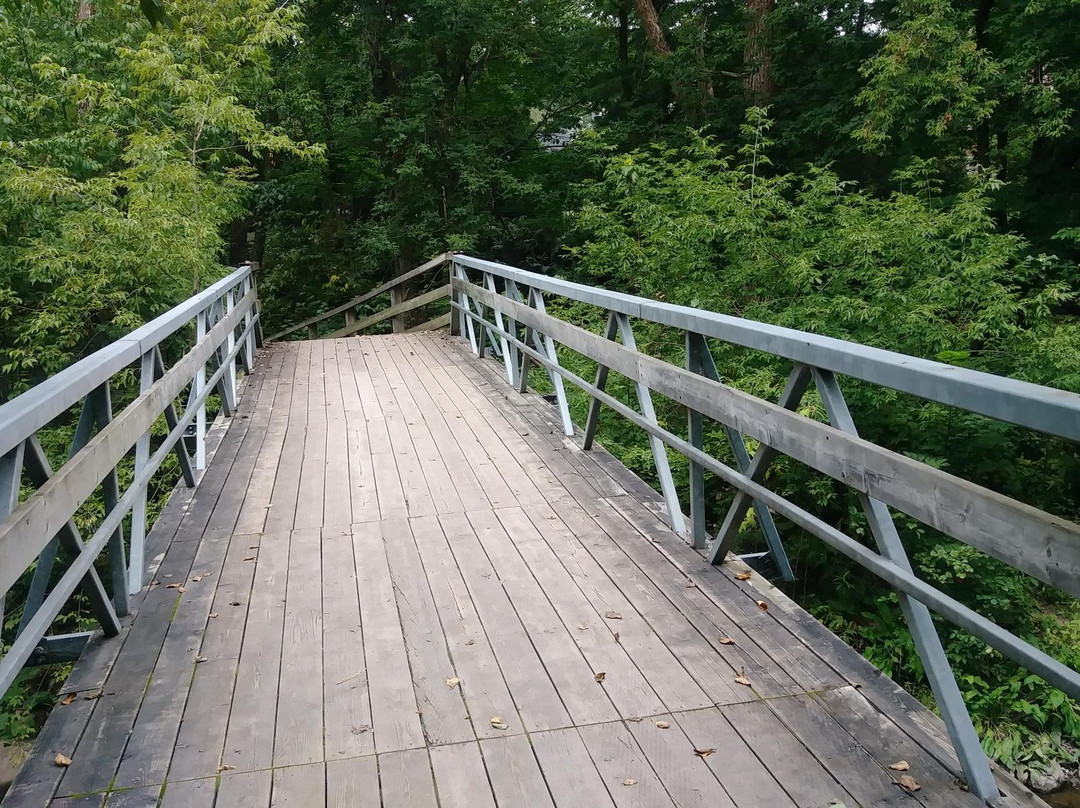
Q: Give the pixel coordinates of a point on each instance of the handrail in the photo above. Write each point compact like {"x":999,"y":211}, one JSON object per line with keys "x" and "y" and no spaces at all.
{"x":226,"y":318}
{"x":1033,"y":541}
{"x":347,"y":307}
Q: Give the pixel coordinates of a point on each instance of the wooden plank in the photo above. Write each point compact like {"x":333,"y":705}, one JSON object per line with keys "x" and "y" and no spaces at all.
{"x":406,"y":780}
{"x":362,"y":488}
{"x":309,"y":500}
{"x":570,"y":773}
{"x":281,"y":513}
{"x":600,"y":640}
{"x":245,"y":789}
{"x":150,"y":745}
{"x":249,"y":740}
{"x":671,"y":681}
{"x":628,"y":776}
{"x":202,"y":733}
{"x":356,"y":301}
{"x":460,"y":776}
{"x":686,"y":776}
{"x":876,"y":733}
{"x":252,"y":517}
{"x":745,"y":778}
{"x":298,"y":734}
{"x":864,"y":778}
{"x":394,"y":311}
{"x":442,"y":711}
{"x":352,"y":783}
{"x":299,"y":787}
{"x":337,"y":487}
{"x":346,"y":708}
{"x":482,"y":685}
{"x":786,"y":758}
{"x":537,"y":700}
{"x":442,"y":321}
{"x":134,"y":798}
{"x":85,"y":801}
{"x":190,"y":793}
{"x":514,"y":772}
{"x":393,"y":703}
{"x":586,"y":700}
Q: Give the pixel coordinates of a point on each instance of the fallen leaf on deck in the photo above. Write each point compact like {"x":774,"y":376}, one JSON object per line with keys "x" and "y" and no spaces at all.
{"x":908,"y":782}
{"x":763,"y":605}
{"x":70,"y":697}
{"x":498,"y":723}
{"x":600,"y":676}
{"x":235,"y":603}
{"x":741,"y":678}
{"x":703,"y":753}
{"x":635,"y":720}
{"x":616,"y":636}
{"x":629,"y":781}
{"x":249,"y":558}
{"x":582,"y":626}
{"x":62,"y":760}
{"x":743,"y":576}
{"x":453,"y":681}
{"x":689,"y":584}
{"x":900,"y":766}
{"x":92,"y":696}
{"x":181,"y":589}
{"x":612,"y":615}
{"x":726,"y":641}
{"x":199,"y":659}
{"x":196,"y":579}
{"x":470,"y":642}
{"x":213,"y":615}
{"x":662,"y":724}
{"x":172,"y":586}
{"x":225,"y":768}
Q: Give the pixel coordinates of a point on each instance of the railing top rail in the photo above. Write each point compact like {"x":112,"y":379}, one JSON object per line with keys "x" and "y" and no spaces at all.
{"x":30,"y":411}
{"x":356,"y":301}
{"x":1046,"y":409}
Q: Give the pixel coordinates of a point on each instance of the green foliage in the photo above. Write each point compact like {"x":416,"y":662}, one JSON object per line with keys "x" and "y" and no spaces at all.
{"x":917,"y":272}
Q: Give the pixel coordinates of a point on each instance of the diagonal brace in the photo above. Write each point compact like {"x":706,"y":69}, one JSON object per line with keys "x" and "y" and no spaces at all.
{"x":923,"y":632}
{"x":724,"y":542}
{"x":700,"y":360}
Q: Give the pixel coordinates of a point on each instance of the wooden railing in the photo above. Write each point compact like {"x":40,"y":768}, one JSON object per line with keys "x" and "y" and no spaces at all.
{"x":399,"y":306}
{"x":226,"y":327}
{"x":506,"y":311}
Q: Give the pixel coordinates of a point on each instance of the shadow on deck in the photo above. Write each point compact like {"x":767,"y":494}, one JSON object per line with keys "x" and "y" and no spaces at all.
{"x":398,"y":581}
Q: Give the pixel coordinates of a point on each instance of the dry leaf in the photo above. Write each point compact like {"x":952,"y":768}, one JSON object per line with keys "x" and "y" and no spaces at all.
{"x":688,"y":584}
{"x":61,"y":760}
{"x":703,"y":753}
{"x":225,"y":768}
{"x":900,"y":766}
{"x":235,"y":603}
{"x":629,"y":781}
{"x":213,"y":615}
{"x":600,"y":676}
{"x":741,"y":678}
{"x":70,"y":697}
{"x":662,"y":724}
{"x":92,"y":696}
{"x":199,"y":659}
{"x":453,"y":681}
{"x":582,"y":626}
{"x":172,"y":586}
{"x":616,"y":636}
{"x":249,"y":558}
{"x":743,"y":576}
{"x":498,"y":723}
{"x":908,"y":782}
{"x":763,"y":605}
{"x":726,"y":641}
{"x":470,"y":642}
{"x":611,"y":614}
{"x":181,"y":589}
{"x":196,"y":579}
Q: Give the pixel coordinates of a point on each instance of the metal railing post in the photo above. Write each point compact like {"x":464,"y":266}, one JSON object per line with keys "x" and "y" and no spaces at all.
{"x":592,"y":421}
{"x":138,"y":511}
{"x":230,"y":343}
{"x":200,"y":383}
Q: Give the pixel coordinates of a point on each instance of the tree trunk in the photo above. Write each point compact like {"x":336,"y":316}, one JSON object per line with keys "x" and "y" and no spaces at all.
{"x":757,"y":54}
{"x":650,"y":21}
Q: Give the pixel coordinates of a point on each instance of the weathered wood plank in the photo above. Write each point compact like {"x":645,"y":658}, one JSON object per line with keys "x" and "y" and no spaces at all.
{"x":514,"y":772}
{"x":394,"y":311}
{"x":352,"y":783}
{"x":281,"y":513}
{"x":299,"y":787}
{"x":337,"y":487}
{"x":406,"y":780}
{"x":298,"y":734}
{"x":460,"y":776}
{"x":309,"y":499}
{"x":246,"y":789}
{"x":393,"y":702}
{"x":190,"y":793}
{"x":571,"y":776}
{"x":685,"y":774}
{"x":249,"y":741}
{"x":628,"y":776}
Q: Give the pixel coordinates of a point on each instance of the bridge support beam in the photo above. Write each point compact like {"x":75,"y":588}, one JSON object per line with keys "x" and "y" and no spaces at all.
{"x":923,"y":632}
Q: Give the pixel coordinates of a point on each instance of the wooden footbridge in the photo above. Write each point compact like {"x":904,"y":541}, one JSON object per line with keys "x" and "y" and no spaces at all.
{"x":393,"y":575}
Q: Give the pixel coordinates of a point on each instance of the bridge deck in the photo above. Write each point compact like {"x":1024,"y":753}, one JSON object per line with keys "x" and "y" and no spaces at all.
{"x":398,"y":581}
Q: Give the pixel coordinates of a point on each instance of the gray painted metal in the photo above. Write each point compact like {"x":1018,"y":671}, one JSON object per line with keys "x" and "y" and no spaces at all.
{"x":1041,"y":408}
{"x":704,"y":364}
{"x":923,"y":632}
{"x":59,"y":648}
